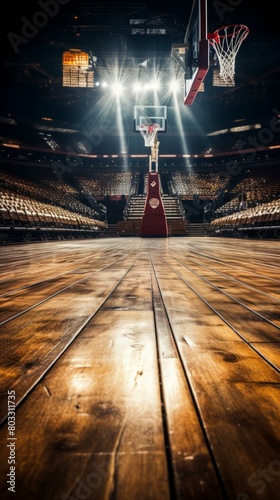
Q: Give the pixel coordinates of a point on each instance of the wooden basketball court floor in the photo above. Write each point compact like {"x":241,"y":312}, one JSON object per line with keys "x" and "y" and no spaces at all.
{"x":140,"y":369}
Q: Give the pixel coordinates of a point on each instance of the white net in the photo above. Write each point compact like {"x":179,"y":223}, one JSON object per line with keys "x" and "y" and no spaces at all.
{"x":148,"y":132}
{"x":226,"y":41}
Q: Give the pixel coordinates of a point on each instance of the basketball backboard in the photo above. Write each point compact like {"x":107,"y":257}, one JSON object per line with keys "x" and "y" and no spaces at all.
{"x":193,"y":54}
{"x":144,"y":115}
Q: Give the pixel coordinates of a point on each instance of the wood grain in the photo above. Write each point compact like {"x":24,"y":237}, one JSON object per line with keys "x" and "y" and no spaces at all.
{"x":142,"y":368}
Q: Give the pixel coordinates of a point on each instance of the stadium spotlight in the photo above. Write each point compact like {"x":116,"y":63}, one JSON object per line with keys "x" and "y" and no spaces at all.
{"x":174,"y":85}
{"x":117,"y":88}
{"x":152,"y":85}
{"x":137,"y":87}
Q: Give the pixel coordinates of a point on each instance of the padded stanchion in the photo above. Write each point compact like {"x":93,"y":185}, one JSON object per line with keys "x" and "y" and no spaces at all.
{"x":154,"y":223}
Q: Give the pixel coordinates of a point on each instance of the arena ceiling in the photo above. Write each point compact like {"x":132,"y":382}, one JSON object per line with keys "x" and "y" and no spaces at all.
{"x":31,"y":66}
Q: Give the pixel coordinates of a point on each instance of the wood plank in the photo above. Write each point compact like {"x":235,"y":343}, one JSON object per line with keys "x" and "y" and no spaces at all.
{"x":193,"y":468}
{"x":154,"y":375}
{"x":24,"y":272}
{"x":243,"y":440}
{"x":35,"y":347}
{"x":220,"y":368}
{"x":196,"y":319}
{"x":266,"y":284}
{"x":262,"y":257}
{"x":89,"y":405}
{"x":237,"y":313}
{"x":134,"y":292}
{"x":270,"y":351}
{"x":16,"y":302}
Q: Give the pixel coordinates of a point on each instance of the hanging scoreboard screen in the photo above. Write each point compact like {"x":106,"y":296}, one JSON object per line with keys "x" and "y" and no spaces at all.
{"x":76,"y":69}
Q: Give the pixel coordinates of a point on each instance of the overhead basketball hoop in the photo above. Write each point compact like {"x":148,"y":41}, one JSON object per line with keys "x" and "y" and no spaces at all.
{"x":227,"y":41}
{"x":148,"y":132}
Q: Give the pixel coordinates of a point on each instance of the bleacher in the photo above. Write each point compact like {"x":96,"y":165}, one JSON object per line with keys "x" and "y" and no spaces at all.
{"x":253,"y":208}
{"x":262,"y":221}
{"x":37,"y":204}
{"x":45,"y":208}
{"x":188,"y":184}
{"x":102,"y":184}
{"x":258,"y":187}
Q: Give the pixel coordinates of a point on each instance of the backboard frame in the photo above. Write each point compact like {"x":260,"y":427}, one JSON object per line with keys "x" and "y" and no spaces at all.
{"x":193,"y":54}
{"x":144,"y":114}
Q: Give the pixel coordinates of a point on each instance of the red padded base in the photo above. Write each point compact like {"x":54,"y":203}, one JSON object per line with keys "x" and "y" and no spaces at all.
{"x":154,"y":223}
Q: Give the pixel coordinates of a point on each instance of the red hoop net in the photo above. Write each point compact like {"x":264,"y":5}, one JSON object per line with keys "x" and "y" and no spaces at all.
{"x":148,"y":132}
{"x":226,"y":41}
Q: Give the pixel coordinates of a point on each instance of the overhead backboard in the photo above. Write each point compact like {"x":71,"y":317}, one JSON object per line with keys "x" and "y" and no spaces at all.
{"x":193,"y":54}
{"x":144,"y":115}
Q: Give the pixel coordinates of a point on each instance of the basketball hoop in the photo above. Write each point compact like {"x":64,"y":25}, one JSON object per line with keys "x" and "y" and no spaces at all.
{"x":226,"y":41}
{"x":148,"y":132}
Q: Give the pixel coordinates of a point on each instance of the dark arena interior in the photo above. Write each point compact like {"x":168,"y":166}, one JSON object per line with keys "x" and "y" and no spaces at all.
{"x":139,"y":290}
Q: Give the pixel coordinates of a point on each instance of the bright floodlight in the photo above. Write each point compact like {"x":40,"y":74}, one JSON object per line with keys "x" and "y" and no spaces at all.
{"x":152,"y":85}
{"x":155,"y":84}
{"x":137,"y":87}
{"x":146,"y":86}
{"x":117,"y":88}
{"x":174,"y":85}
